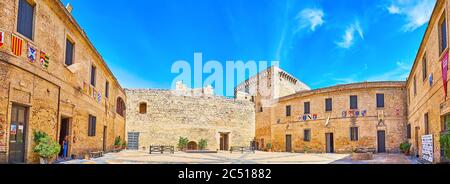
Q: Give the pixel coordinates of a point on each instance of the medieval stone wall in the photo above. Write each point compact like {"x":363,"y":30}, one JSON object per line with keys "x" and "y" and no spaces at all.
{"x":171,"y":115}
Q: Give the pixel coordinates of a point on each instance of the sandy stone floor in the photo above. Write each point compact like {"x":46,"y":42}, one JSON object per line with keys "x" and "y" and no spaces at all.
{"x":142,"y":157}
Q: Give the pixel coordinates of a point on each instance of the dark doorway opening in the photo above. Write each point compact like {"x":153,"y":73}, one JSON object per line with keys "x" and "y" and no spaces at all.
{"x":381,"y":140}
{"x":329,"y":142}
{"x":18,"y":134}
{"x":289,"y":143}
{"x":105,"y":138}
{"x":192,"y":145}
{"x":64,"y":134}
{"x":416,"y":136}
{"x":224,"y":141}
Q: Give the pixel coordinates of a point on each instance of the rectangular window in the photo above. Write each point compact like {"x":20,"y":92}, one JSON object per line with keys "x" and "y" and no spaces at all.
{"x":328,"y":104}
{"x":424,"y":67}
{"x":442,"y":35}
{"x":408,"y":131}
{"x":415,"y":86}
{"x":425,"y":121}
{"x":92,"y":125}
{"x":307,"y":106}
{"x":69,"y":52}
{"x":107,"y":89}
{"x":353,"y":133}
{"x":380,"y":100}
{"x":25,"y":19}
{"x":307,"y":135}
{"x":288,"y":110}
{"x":445,"y":123}
{"x":93,"y":75}
{"x":353,"y":102}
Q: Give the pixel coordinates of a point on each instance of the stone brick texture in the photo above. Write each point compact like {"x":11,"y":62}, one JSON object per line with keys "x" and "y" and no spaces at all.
{"x":393,"y":123}
{"x":55,"y":93}
{"x":172,"y":114}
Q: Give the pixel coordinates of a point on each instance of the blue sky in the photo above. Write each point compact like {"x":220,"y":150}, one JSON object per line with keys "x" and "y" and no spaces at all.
{"x":320,"y":42}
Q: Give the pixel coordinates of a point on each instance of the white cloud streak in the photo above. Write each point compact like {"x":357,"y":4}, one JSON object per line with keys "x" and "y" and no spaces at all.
{"x":310,"y":18}
{"x":349,"y":36}
{"x":416,"y":12}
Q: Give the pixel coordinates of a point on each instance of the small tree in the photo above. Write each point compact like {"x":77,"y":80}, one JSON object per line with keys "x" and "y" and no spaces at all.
{"x":182,"y":143}
{"x":202,"y":144}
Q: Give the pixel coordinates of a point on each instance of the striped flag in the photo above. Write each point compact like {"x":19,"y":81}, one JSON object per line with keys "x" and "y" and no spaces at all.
{"x":99,"y":97}
{"x":16,"y":45}
{"x":2,"y":38}
{"x":44,"y":59}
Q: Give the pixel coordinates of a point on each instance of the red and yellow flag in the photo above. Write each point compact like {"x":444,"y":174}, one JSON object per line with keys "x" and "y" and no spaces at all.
{"x":16,"y":45}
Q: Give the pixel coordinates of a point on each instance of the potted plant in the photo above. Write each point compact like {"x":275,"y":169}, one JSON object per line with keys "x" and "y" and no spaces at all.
{"x":117,"y":143}
{"x":202,"y":144}
{"x":405,"y":148}
{"x":306,"y":149}
{"x":182,"y":143}
{"x":45,"y":147}
{"x":124,"y":145}
{"x":269,"y":147}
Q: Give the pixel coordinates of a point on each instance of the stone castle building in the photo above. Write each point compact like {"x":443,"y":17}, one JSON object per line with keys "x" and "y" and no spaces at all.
{"x":340,"y":119}
{"x":294,"y":118}
{"x":161,"y":117}
{"x":52,"y":79}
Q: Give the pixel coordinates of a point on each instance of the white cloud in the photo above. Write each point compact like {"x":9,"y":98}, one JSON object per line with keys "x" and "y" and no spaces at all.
{"x":310,"y":18}
{"x":349,"y":35}
{"x":393,"y":9}
{"x":416,"y":12}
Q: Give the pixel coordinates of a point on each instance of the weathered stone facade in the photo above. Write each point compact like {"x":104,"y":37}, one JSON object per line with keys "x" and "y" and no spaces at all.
{"x":367,"y":117}
{"x":426,"y":96}
{"x":59,"y":91}
{"x":195,"y":114}
{"x":262,"y":89}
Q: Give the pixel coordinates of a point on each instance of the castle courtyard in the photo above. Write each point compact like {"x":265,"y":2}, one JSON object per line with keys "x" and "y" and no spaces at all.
{"x":143,"y":157}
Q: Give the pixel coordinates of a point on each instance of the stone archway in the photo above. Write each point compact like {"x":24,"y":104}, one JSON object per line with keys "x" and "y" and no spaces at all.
{"x":192,"y":145}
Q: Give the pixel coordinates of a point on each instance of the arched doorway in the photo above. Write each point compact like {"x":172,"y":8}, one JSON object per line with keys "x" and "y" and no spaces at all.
{"x":192,"y":145}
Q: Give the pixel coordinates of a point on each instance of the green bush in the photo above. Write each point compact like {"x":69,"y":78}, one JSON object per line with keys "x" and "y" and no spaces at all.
{"x":45,"y":146}
{"x":445,"y":142}
{"x":38,"y":135}
{"x":202,"y":144}
{"x":269,"y":146}
{"x":404,"y":147}
{"x":117,"y":141}
{"x":182,"y":143}
{"x":306,"y":149}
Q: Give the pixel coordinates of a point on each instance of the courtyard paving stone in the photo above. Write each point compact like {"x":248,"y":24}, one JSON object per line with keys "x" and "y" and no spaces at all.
{"x":142,"y":157}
